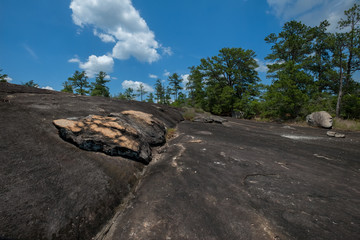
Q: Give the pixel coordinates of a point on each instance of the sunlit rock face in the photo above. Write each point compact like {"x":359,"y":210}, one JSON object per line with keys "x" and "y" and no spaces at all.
{"x":320,"y":119}
{"x":128,"y":134}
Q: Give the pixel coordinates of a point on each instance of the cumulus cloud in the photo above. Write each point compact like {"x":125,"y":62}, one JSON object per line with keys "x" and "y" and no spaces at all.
{"x":104,"y":37}
{"x":8,"y":79}
{"x":95,"y":64}
{"x":135,"y":85}
{"x":310,"y":12}
{"x":118,"y":21}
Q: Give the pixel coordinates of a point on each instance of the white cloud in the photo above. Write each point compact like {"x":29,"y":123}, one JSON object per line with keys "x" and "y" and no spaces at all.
{"x":95,"y":64}
{"x":262,"y":66}
{"x":8,"y":79}
{"x":167,"y":51}
{"x":166,"y":73}
{"x":30,"y":51}
{"x":310,"y":12}
{"x":185,"y":78}
{"x":48,"y":88}
{"x":118,"y":22}
{"x":104,"y":37}
{"x":74,"y":60}
{"x":153,"y":76}
{"x":135,"y":85}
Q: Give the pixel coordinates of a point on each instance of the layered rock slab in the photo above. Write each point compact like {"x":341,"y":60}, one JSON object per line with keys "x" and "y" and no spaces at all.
{"x":128,"y":134}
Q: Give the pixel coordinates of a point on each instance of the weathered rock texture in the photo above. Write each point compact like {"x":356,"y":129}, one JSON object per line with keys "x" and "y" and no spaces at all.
{"x":319,"y":119}
{"x":51,"y":189}
{"x":209,"y":119}
{"x":128,"y":134}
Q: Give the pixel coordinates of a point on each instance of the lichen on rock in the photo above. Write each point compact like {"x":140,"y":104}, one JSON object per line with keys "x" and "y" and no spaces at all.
{"x":128,"y":134}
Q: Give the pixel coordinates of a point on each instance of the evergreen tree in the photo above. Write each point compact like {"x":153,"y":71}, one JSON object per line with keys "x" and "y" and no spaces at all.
{"x":226,"y":78}
{"x":129,"y":94}
{"x":3,"y":77}
{"x":292,"y":81}
{"x":98,"y":87}
{"x":347,"y":47}
{"x":175,"y":84}
{"x":67,"y":87}
{"x":31,"y":83}
{"x":196,"y":87}
{"x":352,"y":38}
{"x":339,"y":63}
{"x":79,"y":82}
{"x":159,"y":92}
{"x":150,"y":98}
{"x":141,"y":90}
{"x":319,"y":62}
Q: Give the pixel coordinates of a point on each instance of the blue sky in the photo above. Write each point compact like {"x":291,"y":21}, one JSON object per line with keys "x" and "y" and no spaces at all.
{"x":140,"y":40}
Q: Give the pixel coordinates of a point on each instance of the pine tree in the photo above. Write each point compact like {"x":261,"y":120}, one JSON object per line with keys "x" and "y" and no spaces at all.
{"x":3,"y":77}
{"x":67,"y":87}
{"x":98,"y":87}
{"x":150,"y":98}
{"x":141,"y":90}
{"x":159,"y":92}
{"x":175,"y":84}
{"x":31,"y":83}
{"x":79,"y":82}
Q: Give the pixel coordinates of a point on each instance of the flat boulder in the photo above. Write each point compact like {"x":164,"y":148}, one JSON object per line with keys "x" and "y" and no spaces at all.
{"x":319,"y":119}
{"x":128,"y":134}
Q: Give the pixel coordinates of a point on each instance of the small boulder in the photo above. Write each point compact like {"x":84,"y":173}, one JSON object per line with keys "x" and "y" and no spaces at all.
{"x":335,"y":134}
{"x":340,"y":135}
{"x":319,"y":119}
{"x":330,"y":133}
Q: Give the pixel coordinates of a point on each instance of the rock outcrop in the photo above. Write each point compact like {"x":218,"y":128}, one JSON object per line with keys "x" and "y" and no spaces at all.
{"x":319,"y":119}
{"x":128,"y":134}
{"x":51,"y":189}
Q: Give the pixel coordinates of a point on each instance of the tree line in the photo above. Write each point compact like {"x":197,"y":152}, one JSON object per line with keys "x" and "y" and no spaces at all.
{"x":311,"y":70}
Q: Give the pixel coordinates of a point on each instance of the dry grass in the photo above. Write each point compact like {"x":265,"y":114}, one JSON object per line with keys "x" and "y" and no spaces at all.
{"x":170,"y":133}
{"x":189,"y":114}
{"x":342,"y":124}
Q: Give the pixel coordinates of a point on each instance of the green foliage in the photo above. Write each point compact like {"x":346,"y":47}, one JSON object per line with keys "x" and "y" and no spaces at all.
{"x":159,"y":92}
{"x":31,"y":83}
{"x":79,"y":82}
{"x":3,"y":77}
{"x":284,"y":99}
{"x":174,"y":82}
{"x":189,"y":114}
{"x":150,"y":98}
{"x":127,"y":95}
{"x":222,"y":80}
{"x":67,"y":87}
{"x":98,"y":87}
{"x":351,"y":106}
{"x":141,"y":90}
